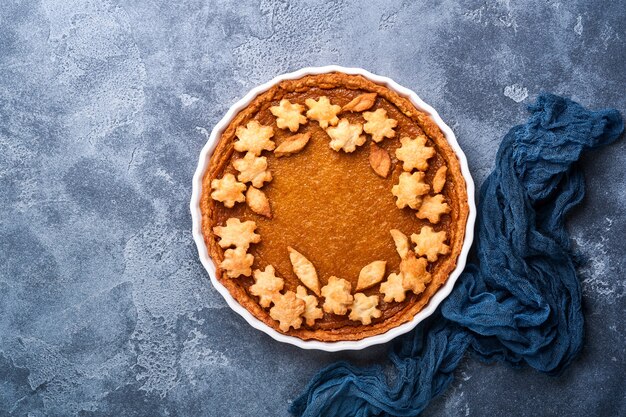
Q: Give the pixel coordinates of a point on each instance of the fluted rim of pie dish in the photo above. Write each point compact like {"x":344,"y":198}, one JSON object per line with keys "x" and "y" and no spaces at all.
{"x":208,"y":264}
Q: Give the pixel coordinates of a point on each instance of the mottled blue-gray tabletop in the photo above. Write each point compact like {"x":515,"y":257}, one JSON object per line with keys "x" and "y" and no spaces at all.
{"x":105,"y":309}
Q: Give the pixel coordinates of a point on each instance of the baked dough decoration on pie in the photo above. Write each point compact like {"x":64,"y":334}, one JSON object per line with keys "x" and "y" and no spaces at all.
{"x":346,"y":136}
{"x":380,"y":161}
{"x":337,"y":296}
{"x":304,"y":270}
{"x":370,"y":275}
{"x":292,"y":144}
{"x":378,"y":125}
{"x":401,"y":241}
{"x":321,"y":203}
{"x":393,"y":289}
{"x":254,"y":138}
{"x":237,"y":233}
{"x":288,"y":115}
{"x":237,"y":262}
{"x":439,"y":180}
{"x":253,"y":169}
{"x":414,"y":273}
{"x":432,"y":208}
{"x":430,"y":243}
{"x":414,"y":153}
{"x":311,"y":311}
{"x":228,"y":190}
{"x":258,"y":202}
{"x":361,"y":103}
{"x":410,"y":189}
{"x":364,"y":309}
{"x":287,"y":310}
{"x":266,"y":285}
{"x":323,"y":111}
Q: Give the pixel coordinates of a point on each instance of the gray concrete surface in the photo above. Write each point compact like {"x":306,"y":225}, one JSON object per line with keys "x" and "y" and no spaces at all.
{"x":104,"y":107}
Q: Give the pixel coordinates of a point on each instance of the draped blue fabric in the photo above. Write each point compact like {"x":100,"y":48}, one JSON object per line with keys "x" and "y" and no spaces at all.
{"x":520,"y":302}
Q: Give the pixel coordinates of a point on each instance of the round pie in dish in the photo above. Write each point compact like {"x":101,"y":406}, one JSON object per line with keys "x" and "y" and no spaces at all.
{"x":333,"y":208}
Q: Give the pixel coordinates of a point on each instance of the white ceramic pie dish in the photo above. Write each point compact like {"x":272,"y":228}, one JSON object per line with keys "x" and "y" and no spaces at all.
{"x":196,"y":215}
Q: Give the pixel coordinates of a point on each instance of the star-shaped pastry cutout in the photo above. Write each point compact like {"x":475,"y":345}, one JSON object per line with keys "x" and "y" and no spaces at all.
{"x":346,"y":136}
{"x":432,"y":208}
{"x":414,"y":273}
{"x":337,"y":297}
{"x":322,"y":111}
{"x":228,"y":190}
{"x":254,"y":138}
{"x":311,"y":311}
{"x":414,"y":153}
{"x":379,"y":125}
{"x":237,"y":262}
{"x":364,"y":309}
{"x":252,"y":169}
{"x":287,"y":311}
{"x":266,"y":285}
{"x":393,"y":289}
{"x":430,"y":243}
{"x":410,"y":189}
{"x":288,"y":115}
{"x":237,"y":233}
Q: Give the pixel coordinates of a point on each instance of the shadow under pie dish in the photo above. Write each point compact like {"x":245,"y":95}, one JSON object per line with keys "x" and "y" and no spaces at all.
{"x":332,"y":208}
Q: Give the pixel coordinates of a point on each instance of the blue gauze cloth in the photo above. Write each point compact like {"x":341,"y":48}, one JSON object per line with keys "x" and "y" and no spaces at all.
{"x":519,"y":303}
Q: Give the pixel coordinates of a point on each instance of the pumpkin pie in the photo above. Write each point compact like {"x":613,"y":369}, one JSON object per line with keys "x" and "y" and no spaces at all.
{"x":333,"y":208}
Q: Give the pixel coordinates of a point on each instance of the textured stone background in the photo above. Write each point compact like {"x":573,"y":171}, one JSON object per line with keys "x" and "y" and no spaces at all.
{"x":104,"y":107}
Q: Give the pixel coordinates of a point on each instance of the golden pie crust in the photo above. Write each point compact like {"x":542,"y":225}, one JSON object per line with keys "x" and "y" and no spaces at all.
{"x":335,"y":207}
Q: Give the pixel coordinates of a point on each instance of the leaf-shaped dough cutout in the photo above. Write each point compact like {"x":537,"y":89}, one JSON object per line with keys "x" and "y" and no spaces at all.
{"x":258,"y":202}
{"x":304,"y":270}
{"x":371,"y":274}
{"x":379,"y":160}
{"x":361,"y":103}
{"x":401,"y":241}
{"x":292,"y":144}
